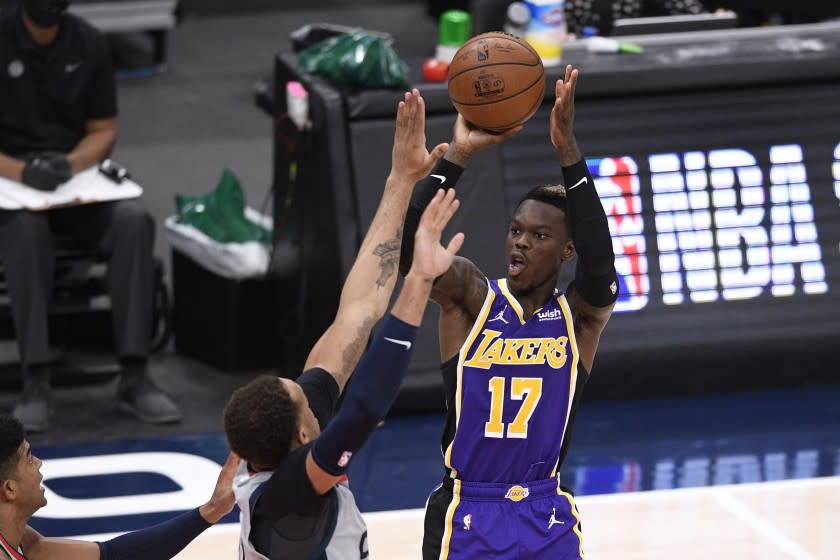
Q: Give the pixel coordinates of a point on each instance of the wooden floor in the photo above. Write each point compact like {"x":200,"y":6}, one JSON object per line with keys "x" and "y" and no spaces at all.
{"x":797,"y":519}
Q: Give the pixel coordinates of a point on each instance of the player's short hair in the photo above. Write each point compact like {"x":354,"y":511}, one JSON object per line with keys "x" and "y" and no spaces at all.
{"x":554,"y":195}
{"x":260,"y":420}
{"x":550,"y":194}
{"x":11,"y":436}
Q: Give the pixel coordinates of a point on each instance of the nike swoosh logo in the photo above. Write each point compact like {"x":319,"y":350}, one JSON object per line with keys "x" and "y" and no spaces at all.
{"x":585,"y":180}
{"x":440,"y":178}
{"x":405,"y":343}
{"x":71,"y":67}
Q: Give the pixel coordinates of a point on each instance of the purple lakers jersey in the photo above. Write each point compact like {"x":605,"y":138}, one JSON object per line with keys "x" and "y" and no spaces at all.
{"x":516,"y":379}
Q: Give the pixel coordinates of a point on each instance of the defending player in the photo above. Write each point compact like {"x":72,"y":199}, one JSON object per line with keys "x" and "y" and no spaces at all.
{"x":516,"y":354}
{"x":290,"y":487}
{"x":22,"y":495}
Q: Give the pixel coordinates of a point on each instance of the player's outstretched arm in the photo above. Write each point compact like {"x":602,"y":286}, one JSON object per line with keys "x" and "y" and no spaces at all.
{"x":383,"y":368}
{"x":368,"y":288}
{"x":595,"y":287}
{"x":159,"y":542}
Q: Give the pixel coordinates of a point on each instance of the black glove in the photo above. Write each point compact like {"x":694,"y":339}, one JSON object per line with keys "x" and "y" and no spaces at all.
{"x":46,"y":170}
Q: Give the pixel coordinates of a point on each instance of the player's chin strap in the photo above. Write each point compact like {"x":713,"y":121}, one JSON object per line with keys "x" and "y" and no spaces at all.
{"x":595,"y":278}
{"x":444,"y":175}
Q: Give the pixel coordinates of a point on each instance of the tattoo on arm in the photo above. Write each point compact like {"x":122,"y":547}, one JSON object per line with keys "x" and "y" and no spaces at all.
{"x":389,"y":257}
{"x":353,"y":351}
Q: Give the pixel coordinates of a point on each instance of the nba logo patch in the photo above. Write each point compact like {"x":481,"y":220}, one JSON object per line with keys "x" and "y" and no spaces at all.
{"x":468,"y":522}
{"x":344,"y":459}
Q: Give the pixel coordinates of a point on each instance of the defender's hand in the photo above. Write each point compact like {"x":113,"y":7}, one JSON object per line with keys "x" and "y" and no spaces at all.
{"x":431,"y":259}
{"x":222,"y":501}
{"x":409,"y":158}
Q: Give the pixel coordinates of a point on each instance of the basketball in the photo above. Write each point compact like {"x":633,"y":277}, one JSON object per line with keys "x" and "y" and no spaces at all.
{"x":496,"y":81}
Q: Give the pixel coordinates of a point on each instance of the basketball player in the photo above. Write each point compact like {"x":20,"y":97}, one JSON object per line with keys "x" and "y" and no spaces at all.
{"x":291,"y":487}
{"x":516,"y":354}
{"x":21,"y":495}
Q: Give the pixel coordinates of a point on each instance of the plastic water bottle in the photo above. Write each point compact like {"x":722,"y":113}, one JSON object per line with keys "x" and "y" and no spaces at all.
{"x":516,"y":19}
{"x":454,"y":30}
{"x":546,"y":30}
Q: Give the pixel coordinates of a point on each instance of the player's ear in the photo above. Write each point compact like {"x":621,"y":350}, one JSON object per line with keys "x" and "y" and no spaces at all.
{"x":8,"y":490}
{"x":568,"y":251}
{"x":302,"y":435}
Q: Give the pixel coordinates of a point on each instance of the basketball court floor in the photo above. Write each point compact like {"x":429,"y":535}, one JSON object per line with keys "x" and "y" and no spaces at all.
{"x":749,"y":475}
{"x":775,"y":520}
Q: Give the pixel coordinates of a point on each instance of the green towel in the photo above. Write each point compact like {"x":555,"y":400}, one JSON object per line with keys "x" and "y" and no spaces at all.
{"x":221,"y":214}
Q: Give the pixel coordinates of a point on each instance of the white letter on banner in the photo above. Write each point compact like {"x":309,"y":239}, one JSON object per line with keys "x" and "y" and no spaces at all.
{"x":738,"y":197}
{"x":195,"y":475}
{"x":683,"y":225}
{"x":793,"y":233}
{"x":836,"y":171}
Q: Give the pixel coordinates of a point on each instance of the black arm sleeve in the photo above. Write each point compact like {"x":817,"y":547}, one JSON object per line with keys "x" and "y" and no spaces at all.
{"x":444,"y":175}
{"x":371,"y":393}
{"x":595,"y":277}
{"x":158,"y":542}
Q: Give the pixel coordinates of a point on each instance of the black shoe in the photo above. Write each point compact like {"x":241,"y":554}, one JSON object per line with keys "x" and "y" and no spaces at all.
{"x":143,"y":399}
{"x":33,"y":411}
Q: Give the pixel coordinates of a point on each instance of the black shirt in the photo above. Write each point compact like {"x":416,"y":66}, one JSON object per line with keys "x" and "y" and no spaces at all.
{"x":48,"y":93}
{"x":289,"y":510}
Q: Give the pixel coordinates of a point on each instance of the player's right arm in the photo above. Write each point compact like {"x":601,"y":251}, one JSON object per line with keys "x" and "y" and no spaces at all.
{"x":383,"y":367}
{"x":368,"y":288}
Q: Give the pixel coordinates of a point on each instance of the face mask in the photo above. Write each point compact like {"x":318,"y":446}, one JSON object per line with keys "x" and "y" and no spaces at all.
{"x":45,"y":13}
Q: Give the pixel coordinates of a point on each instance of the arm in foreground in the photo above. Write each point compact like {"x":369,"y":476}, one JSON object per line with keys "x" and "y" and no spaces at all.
{"x":159,"y":542}
{"x":370,"y":283}
{"x":382,"y":370}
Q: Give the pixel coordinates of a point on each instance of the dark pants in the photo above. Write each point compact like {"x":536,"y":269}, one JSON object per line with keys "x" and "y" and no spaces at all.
{"x":123,"y":230}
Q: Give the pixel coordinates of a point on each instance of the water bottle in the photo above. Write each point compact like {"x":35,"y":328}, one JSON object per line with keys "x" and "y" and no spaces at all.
{"x":516,"y":19}
{"x":454,"y":29}
{"x":547,"y":29}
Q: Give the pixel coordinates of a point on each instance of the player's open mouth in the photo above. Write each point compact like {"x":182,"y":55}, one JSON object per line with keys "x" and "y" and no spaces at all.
{"x":516,"y":265}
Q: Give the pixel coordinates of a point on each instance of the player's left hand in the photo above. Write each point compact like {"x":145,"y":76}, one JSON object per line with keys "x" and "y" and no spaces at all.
{"x":222,"y":501}
{"x":409,"y":158}
{"x":563,"y":117}
{"x":431,"y":259}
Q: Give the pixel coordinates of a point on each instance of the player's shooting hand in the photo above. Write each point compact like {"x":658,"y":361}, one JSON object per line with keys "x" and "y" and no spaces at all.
{"x":46,"y":170}
{"x":410,"y":160}
{"x":431,"y":259}
{"x":563,"y":118}
{"x":222,"y":501}
{"x":467,"y":140}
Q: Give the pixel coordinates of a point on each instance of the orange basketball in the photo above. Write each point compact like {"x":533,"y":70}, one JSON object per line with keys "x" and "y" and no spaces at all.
{"x":496,"y":81}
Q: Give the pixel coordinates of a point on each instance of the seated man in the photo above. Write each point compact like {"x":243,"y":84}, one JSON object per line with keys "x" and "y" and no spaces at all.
{"x":58,"y":117}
